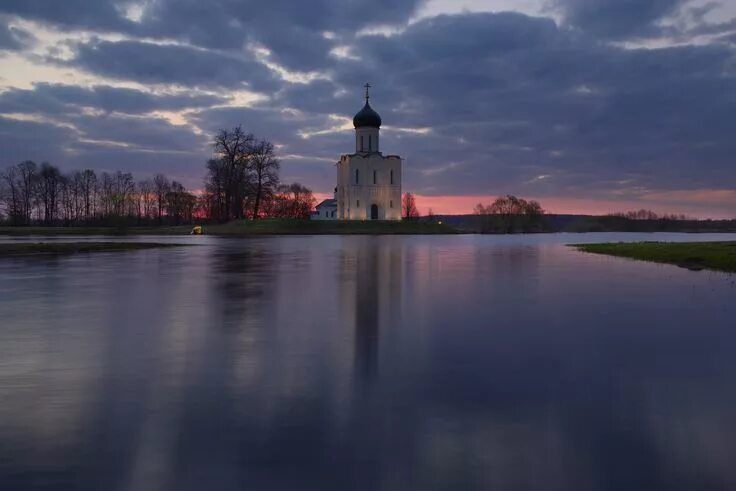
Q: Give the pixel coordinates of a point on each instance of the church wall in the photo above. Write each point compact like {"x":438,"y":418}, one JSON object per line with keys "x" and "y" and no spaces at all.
{"x":355,"y":200}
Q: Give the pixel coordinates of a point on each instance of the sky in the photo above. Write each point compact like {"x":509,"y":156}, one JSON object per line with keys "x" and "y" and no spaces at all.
{"x":589,"y":106}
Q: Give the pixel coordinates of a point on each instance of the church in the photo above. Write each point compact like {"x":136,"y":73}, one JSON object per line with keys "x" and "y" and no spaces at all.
{"x":368,"y":182}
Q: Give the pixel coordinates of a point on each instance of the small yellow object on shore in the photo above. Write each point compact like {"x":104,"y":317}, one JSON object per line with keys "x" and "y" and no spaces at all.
{"x":197,"y":230}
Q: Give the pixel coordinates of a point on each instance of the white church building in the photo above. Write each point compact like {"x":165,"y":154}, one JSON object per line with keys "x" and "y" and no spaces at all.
{"x":368,"y":182}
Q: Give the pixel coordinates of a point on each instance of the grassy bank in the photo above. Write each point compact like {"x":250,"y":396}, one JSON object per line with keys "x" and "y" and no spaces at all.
{"x":719,"y":256}
{"x":250,"y":227}
{"x":63,"y":248}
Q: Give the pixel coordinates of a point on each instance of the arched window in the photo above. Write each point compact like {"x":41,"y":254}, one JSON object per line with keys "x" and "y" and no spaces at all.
{"x":374,"y":177}
{"x":357,"y":176}
{"x":370,"y":143}
{"x":392,"y":176}
{"x":361,"y":143}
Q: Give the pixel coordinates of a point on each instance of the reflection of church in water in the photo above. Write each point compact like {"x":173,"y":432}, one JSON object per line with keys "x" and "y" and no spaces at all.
{"x":370,"y":297}
{"x":368,"y":182}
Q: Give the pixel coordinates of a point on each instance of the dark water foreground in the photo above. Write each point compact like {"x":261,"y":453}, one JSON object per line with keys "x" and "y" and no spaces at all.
{"x":376,"y":363}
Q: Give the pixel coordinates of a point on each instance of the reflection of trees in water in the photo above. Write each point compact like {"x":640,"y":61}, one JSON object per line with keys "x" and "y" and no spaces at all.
{"x":507,"y":259}
{"x":243,"y":279}
{"x":239,"y":310}
{"x":510,"y":271}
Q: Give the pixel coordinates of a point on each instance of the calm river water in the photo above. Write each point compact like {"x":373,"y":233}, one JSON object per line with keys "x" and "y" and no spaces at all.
{"x":367,"y":363}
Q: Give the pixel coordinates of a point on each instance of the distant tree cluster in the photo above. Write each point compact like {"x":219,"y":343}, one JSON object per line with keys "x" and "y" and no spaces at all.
{"x":648,"y":215}
{"x":510,"y":214}
{"x":43,"y":194}
{"x":242,"y":181}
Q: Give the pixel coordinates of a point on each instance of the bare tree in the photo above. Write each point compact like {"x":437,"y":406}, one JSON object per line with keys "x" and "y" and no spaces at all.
{"x":509,"y":214}
{"x":180,"y":203}
{"x":215,"y":185}
{"x":233,"y":148}
{"x":11,"y":195}
{"x":27,"y":176}
{"x":88,"y":184}
{"x":147,"y":198}
{"x":49,"y":182}
{"x":265,"y":169}
{"x":409,"y":206}
{"x":292,"y":201}
{"x":161,"y":187}
{"x":67,"y":199}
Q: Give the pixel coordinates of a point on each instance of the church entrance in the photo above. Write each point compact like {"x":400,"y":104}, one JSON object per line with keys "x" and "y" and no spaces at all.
{"x":374,"y":212}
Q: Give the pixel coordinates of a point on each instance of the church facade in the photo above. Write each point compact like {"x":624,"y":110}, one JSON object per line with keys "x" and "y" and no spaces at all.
{"x":368,"y":182}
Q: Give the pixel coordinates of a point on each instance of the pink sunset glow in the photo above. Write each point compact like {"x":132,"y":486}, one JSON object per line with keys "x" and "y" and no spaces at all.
{"x":703,"y":203}
{"x":698,"y":204}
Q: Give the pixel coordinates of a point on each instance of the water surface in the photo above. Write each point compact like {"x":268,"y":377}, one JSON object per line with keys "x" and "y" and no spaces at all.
{"x":376,"y":363}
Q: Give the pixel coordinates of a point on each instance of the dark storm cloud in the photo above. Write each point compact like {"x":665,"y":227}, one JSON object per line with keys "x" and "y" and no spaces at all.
{"x":321,"y":97}
{"x":292,"y":30}
{"x":715,"y":27}
{"x":618,"y":19}
{"x":89,"y":14}
{"x":109,"y":143}
{"x":67,"y":99}
{"x":7,"y":40}
{"x":19,"y":140}
{"x":12,"y":38}
{"x":139,"y":133}
{"x":307,"y":159}
{"x":172,"y":64}
{"x":514,"y":97}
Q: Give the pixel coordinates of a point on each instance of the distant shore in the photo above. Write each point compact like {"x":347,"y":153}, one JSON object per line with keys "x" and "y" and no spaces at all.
{"x":438,"y":224}
{"x":717,"y":256}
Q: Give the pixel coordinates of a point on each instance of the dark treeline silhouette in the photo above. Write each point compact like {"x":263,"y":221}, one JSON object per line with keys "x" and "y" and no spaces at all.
{"x":648,"y":215}
{"x":625,"y":222}
{"x":509,"y":214}
{"x":242,"y":181}
{"x":43,"y":194}
{"x":550,"y":223}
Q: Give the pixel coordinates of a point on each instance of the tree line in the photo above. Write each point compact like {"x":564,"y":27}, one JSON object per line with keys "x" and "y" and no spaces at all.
{"x":43,"y":194}
{"x":510,"y":214}
{"x":242,"y":181}
{"x":644,"y":214}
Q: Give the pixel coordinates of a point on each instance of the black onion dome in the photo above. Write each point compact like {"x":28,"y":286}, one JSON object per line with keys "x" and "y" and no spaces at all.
{"x":367,"y":117}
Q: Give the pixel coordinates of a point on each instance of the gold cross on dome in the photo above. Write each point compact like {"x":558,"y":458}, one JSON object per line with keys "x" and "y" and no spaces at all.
{"x":367,"y":95}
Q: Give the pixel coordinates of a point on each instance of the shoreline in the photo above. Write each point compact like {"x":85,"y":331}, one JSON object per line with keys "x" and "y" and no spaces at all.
{"x":248,"y":228}
{"x":50,"y":249}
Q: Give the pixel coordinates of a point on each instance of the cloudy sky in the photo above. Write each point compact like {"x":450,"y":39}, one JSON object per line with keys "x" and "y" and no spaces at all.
{"x":585,"y":105}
